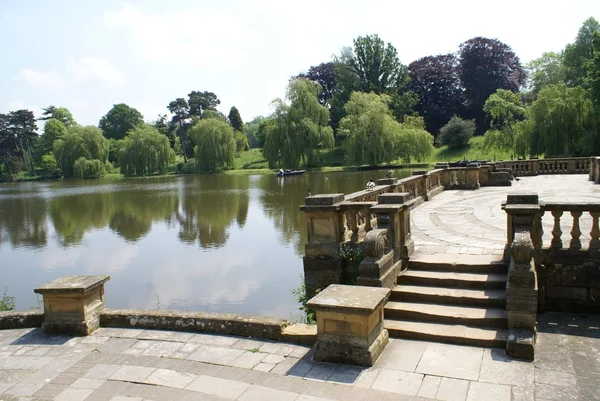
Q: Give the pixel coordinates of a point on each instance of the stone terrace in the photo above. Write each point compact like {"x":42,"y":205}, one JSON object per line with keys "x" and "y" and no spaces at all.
{"x":473,"y":222}
{"x":135,"y":365}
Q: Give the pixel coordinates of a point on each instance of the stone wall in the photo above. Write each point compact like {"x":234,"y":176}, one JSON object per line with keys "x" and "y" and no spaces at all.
{"x":213,"y":323}
{"x":21,"y":320}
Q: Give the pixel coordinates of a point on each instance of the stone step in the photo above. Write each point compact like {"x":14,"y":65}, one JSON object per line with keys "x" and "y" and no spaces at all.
{"x":451,"y":296}
{"x":448,"y":314}
{"x":458,"y":263}
{"x":452,"y":279}
{"x":447,"y":333}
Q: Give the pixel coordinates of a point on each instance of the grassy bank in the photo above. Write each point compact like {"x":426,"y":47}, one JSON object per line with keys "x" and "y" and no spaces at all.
{"x":253,"y":161}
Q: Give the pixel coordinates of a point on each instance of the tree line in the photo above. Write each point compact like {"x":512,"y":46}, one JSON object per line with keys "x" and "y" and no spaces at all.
{"x":363,"y":101}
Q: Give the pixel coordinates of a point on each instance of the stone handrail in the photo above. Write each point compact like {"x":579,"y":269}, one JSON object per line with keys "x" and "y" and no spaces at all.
{"x":576,"y":210}
{"x":563,"y":165}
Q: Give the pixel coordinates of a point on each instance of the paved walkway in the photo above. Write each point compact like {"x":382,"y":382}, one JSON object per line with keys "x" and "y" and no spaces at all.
{"x":136,"y":365}
{"x":472,"y":222}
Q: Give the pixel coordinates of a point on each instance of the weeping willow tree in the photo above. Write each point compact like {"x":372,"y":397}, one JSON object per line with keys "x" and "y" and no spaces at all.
{"x":375,"y":137}
{"x":562,"y":122}
{"x":300,"y":130}
{"x":145,"y":151}
{"x":507,"y":132}
{"x":80,"y":142}
{"x":215,"y":144}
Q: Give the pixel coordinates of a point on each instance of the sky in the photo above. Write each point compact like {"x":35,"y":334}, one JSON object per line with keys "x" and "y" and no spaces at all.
{"x":89,"y":55}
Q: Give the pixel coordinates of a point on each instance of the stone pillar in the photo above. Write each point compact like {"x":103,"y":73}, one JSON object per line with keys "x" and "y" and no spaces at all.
{"x":472,"y":176}
{"x":325,"y":225}
{"x":524,"y":211}
{"x":393,"y":214}
{"x":72,"y":304}
{"x":350,"y":324}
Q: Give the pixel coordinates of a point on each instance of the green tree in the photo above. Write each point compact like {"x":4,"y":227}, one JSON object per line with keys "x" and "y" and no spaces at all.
{"x":61,"y":114}
{"x":54,"y":130}
{"x":80,"y":142}
{"x":236,"y":120}
{"x":456,"y":133}
{"x":264,"y":129}
{"x":181,"y":113}
{"x":120,"y":120}
{"x":145,"y":151}
{"x":84,"y":168}
{"x":22,"y":126}
{"x":373,"y":66}
{"x":593,"y":78}
{"x":301,"y":129}
{"x":374,"y":136}
{"x":578,"y":54}
{"x":201,"y":101}
{"x":505,"y":110}
{"x":251,"y":129}
{"x":215,"y":144}
{"x":545,"y":70}
{"x":562,"y":122}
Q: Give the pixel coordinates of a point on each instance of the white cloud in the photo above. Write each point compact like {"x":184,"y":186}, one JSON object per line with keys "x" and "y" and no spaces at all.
{"x":215,"y":38}
{"x":46,"y":80}
{"x":16,"y":105}
{"x":87,"y":68}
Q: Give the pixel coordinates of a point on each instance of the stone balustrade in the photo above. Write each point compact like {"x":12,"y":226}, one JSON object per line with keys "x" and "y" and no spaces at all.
{"x":564,"y":165}
{"x":595,"y":169}
{"x":572,"y":212}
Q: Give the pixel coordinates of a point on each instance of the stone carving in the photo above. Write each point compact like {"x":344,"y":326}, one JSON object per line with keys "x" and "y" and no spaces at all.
{"x":376,"y":243}
{"x":522,"y":248}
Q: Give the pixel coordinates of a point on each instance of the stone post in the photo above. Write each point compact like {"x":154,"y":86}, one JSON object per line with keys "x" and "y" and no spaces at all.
{"x":350,"y":324}
{"x":523,"y":211}
{"x":326,"y":230}
{"x":72,"y":304}
{"x":472,"y":176}
{"x":378,"y":268}
{"x":393,"y":214}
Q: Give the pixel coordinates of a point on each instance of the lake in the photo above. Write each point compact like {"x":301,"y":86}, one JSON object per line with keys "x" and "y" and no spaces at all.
{"x":221,"y":243}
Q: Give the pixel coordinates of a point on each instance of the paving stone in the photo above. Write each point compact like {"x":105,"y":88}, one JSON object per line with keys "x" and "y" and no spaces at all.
{"x":497,"y":367}
{"x":273,"y":358}
{"x":132,"y":373}
{"x":429,"y":386}
{"x":556,"y":378}
{"x":489,"y":392}
{"x":321,"y":371}
{"x":74,"y":394}
{"x":367,"y":377}
{"x":522,"y":394}
{"x":345,"y":374}
{"x":452,"y":389}
{"x":170,"y":378}
{"x":555,"y":393}
{"x":5,"y":386}
{"x":94,"y":340}
{"x":41,"y":376}
{"x":302,"y":368}
{"x":248,"y":344}
{"x":13,"y":375}
{"x":216,"y":355}
{"x":285,"y":366}
{"x":402,"y":355}
{"x":162,"y":348}
{"x":451,"y":361}
{"x":260,"y":393}
{"x":208,"y":339}
{"x":396,"y":381}
{"x":217,"y":386}
{"x":264,"y":367}
{"x":115,"y":345}
{"x":87,"y":383}
{"x":248,"y":360}
{"x":23,"y":388}
{"x":165,"y":335}
{"x":101,"y":371}
{"x":304,"y":397}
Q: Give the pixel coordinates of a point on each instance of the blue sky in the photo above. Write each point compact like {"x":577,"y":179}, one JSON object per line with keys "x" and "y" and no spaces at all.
{"x":88,"y":55}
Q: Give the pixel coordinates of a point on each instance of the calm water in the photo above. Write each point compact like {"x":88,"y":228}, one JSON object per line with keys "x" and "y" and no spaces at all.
{"x":227,"y":243}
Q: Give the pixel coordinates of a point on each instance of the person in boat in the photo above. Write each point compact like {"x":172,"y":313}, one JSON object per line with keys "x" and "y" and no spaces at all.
{"x":280,"y":171}
{"x":370,"y":184}
{"x":389,"y":174}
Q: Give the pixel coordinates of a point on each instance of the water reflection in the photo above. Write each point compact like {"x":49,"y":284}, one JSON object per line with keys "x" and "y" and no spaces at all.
{"x":148,"y":234}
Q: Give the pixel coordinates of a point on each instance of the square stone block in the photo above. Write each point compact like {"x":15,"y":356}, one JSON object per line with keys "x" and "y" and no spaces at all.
{"x":72,"y":304}
{"x":350,"y":324}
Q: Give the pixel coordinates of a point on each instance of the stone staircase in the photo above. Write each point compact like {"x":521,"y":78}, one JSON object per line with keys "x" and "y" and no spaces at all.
{"x":458,"y":299}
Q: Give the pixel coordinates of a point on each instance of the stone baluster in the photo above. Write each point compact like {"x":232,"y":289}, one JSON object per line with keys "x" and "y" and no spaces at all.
{"x":393,"y":213}
{"x":556,"y":231}
{"x":367,"y":214}
{"x":595,"y":232}
{"x":575,"y":231}
{"x":352,"y":217}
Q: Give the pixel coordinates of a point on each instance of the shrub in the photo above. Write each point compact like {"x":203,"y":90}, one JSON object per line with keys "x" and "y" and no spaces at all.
{"x":49,"y":167}
{"x":456,"y":133}
{"x":84,"y":168}
{"x":7,"y":303}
